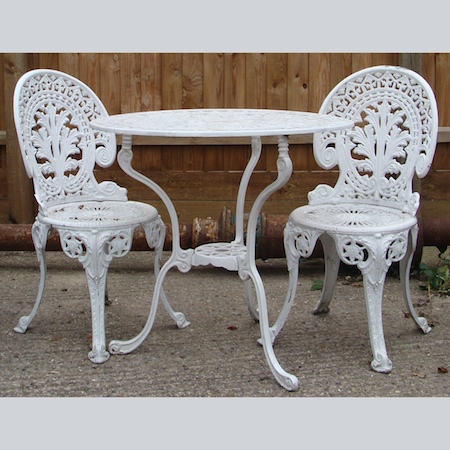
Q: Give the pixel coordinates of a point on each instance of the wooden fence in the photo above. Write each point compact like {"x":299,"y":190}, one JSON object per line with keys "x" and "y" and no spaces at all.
{"x":152,"y":81}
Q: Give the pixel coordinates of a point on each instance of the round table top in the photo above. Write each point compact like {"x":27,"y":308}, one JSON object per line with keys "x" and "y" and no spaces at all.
{"x":219,"y":123}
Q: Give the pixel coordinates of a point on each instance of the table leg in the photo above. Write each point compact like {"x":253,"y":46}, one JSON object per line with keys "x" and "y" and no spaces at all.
{"x":179,"y":258}
{"x":248,"y":269}
{"x":246,"y":266}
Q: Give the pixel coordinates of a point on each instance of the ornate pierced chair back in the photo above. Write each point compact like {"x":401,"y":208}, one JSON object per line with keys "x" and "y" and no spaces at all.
{"x":52,"y":113}
{"x":395,"y":113}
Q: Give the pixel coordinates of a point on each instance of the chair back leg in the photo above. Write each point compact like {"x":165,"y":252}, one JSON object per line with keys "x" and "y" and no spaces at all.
{"x":39,"y":232}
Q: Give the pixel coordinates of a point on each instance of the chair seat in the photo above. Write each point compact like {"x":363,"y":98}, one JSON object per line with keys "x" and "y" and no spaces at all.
{"x":352,"y":218}
{"x":99,"y":214}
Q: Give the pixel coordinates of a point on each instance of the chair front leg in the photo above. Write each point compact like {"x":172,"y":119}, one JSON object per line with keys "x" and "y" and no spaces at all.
{"x":373,"y":290}
{"x":39,"y":233}
{"x":370,"y":255}
{"x":96,"y":277}
{"x":95,"y":251}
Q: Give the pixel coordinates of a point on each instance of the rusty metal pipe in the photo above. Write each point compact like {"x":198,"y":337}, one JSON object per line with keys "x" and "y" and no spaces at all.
{"x":269,"y":238}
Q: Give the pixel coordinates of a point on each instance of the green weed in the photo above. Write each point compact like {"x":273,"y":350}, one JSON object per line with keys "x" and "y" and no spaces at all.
{"x":437,"y":278}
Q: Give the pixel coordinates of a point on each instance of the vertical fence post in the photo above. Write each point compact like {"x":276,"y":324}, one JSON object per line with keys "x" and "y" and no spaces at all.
{"x":413,"y":61}
{"x":22,"y":207}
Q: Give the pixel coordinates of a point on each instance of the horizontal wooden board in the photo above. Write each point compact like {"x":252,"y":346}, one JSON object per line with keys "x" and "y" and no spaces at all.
{"x":205,"y":172}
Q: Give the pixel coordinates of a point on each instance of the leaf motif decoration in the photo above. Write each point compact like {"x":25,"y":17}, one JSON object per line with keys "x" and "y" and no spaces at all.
{"x":56,"y":141}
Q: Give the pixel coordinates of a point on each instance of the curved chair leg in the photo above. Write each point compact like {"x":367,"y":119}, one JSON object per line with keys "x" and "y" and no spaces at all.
{"x":96,"y":277}
{"x":372,"y":257}
{"x":155,"y":233}
{"x":405,"y":267}
{"x":373,"y":290}
{"x":252,"y":309}
{"x":332,"y":263}
{"x":39,"y":233}
{"x":95,"y":251}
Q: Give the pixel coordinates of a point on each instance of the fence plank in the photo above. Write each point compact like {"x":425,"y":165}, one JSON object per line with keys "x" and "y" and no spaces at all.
{"x":298,"y":81}
{"x":21,"y":204}
{"x":89,"y":70}
{"x":234,"y":80}
{"x":255,"y":82}
{"x":172,"y":91}
{"x":320,"y":86}
{"x":277,"y":80}
{"x":340,"y":67}
{"x":172,"y":87}
{"x":2,"y":93}
{"x":110,"y":83}
{"x":236,"y":157}
{"x":391,"y":59}
{"x":49,"y":60}
{"x":320,"y":76}
{"x":130,"y":82}
{"x":213,"y":82}
{"x":192,"y":158}
{"x":151,"y":100}
{"x":429,"y":69}
{"x":443,"y":87}
{"x":361,"y":60}
{"x":68,"y":63}
{"x":192,"y":80}
{"x":151,"y":82}
{"x":214,"y":97}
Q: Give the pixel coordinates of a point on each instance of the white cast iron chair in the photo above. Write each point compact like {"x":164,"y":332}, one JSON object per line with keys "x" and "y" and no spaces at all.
{"x":95,"y":221}
{"x":368,"y":218}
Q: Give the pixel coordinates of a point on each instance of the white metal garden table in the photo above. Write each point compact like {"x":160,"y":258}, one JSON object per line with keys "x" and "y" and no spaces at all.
{"x":238,"y":255}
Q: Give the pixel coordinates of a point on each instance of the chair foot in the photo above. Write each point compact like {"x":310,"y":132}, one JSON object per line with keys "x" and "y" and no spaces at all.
{"x":381,"y":365}
{"x":98,"y":357}
{"x":117,"y":347}
{"x":321,"y":310}
{"x":181,"y":320}
{"x":423,"y":325}
{"x":22,"y":324}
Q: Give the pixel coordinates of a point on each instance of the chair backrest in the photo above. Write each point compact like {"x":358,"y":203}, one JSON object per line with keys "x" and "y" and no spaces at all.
{"x":395,"y":133}
{"x":52,"y":114}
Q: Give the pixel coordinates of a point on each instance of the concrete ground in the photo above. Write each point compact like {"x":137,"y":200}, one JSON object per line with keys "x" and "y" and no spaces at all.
{"x":217,"y":355}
